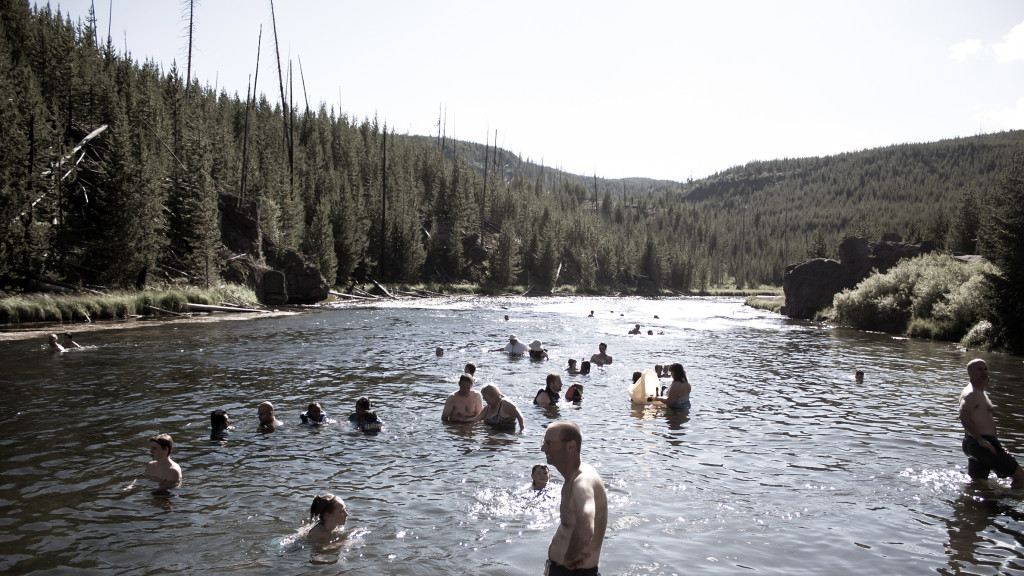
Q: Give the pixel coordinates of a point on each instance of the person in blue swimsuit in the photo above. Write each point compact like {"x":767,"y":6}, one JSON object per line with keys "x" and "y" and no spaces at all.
{"x":314,"y":415}
{"x":677,"y":396}
{"x":500,"y":413}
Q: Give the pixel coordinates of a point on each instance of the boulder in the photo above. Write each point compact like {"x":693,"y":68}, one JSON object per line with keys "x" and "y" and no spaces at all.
{"x":303,"y":281}
{"x":273,"y":288}
{"x":810,"y":286}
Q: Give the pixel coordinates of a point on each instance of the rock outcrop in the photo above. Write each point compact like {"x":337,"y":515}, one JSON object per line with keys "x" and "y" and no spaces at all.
{"x":811,"y":285}
{"x":283,"y":277}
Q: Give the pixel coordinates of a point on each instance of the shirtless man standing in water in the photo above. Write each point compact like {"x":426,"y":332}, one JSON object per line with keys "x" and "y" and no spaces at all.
{"x":984,"y":453}
{"x":464,"y":404}
{"x":576,"y":546}
{"x":162,"y":468}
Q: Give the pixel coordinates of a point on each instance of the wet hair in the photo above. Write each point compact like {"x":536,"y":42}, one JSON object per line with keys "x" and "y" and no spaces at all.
{"x":657,"y":368}
{"x":219,"y":420}
{"x":323,"y":504}
{"x":572,"y":361}
{"x":552,"y":378}
{"x":363,"y":403}
{"x":677,"y":372}
{"x":568,"y":431}
{"x":465,"y":377}
{"x":535,"y":466}
{"x":637,"y":375}
{"x":489,"y":389}
{"x":585,"y":367}
{"x":165,"y":441}
{"x":313,"y":405}
{"x":470,"y":368}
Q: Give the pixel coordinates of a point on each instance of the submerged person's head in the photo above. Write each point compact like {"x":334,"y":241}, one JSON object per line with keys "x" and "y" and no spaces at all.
{"x":219,"y":420}
{"x":637,"y":375}
{"x":265,"y":412}
{"x":540,"y":475}
{"x":469,"y":369}
{"x":314,"y":411}
{"x":329,"y":510}
{"x":585,"y":367}
{"x":362,"y":404}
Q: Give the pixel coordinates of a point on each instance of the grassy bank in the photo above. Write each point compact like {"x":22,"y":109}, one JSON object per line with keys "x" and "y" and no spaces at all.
{"x":45,"y":307}
{"x":770,"y":302}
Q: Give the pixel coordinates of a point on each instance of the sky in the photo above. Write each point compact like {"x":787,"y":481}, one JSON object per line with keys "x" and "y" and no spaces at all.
{"x":671,"y":89}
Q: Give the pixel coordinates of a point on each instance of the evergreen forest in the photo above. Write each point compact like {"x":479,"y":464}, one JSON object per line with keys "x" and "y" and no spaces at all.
{"x":111,"y":169}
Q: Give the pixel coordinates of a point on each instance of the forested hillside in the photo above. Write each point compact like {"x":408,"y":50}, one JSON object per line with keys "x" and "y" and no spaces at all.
{"x":138,"y":201}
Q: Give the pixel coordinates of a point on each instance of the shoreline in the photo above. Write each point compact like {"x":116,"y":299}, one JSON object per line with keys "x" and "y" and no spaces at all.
{"x":42,"y":329}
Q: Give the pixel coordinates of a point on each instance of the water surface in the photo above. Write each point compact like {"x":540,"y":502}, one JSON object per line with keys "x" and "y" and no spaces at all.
{"x":784,"y":465}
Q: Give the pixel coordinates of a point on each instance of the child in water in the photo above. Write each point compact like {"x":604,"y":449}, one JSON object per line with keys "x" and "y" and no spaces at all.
{"x":314,"y":415}
{"x":330,"y":513}
{"x":575,"y":393}
{"x":364,"y":417}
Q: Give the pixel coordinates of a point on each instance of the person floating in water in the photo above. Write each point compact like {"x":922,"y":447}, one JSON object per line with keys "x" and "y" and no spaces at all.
{"x":464,"y":404}
{"x":314,"y":415}
{"x":540,"y":476}
{"x":162,"y":469}
{"x":330,"y":513}
{"x":575,"y":393}
{"x":69,"y":341}
{"x":984,"y":452}
{"x":364,"y":417}
{"x":55,"y":345}
{"x":439,"y":351}
{"x":219,"y":425}
{"x":549,"y":393}
{"x":601,"y":358}
{"x":576,"y":546}
{"x":268,"y":422}
{"x":635,"y":330}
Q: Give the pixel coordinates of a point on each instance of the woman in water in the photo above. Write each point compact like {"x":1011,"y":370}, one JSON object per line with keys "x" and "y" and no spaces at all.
{"x":499,"y":413}
{"x":678,"y":396}
{"x":330,"y":514}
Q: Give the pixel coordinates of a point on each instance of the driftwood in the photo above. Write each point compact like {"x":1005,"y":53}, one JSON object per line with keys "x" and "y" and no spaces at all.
{"x":351,"y":296}
{"x":209,"y":308}
{"x":382,"y":289}
{"x":156,"y":310}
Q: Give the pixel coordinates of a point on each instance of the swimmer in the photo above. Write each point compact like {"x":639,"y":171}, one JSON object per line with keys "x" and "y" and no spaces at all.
{"x":601,"y":358}
{"x":500,"y":412}
{"x":162,"y":469}
{"x":657,"y":371}
{"x":365,"y":418}
{"x":314,"y":415}
{"x":464,"y":404}
{"x":439,"y":351}
{"x":219,"y":424}
{"x":859,"y":376}
{"x":268,"y":422}
{"x":514,"y":347}
{"x":69,"y":341}
{"x":678,"y":396}
{"x":591,"y":314}
{"x":635,"y":330}
{"x":470,"y":369}
{"x":584,"y":368}
{"x":537,"y":351}
{"x":575,"y":393}
{"x":55,"y":345}
{"x":330,"y":514}
{"x":549,"y":393}
{"x":540,"y":475}
{"x":572,"y":370}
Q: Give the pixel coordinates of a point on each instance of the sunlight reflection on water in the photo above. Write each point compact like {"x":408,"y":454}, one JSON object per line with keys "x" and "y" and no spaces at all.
{"x":784,"y":464}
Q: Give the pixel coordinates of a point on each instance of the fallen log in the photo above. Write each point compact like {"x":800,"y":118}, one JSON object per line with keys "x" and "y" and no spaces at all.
{"x":382,"y":289}
{"x":352,"y":296}
{"x":209,"y":308}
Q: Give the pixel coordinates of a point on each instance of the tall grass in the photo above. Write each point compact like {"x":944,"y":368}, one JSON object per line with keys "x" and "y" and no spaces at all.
{"x":85,"y":307}
{"x":931,"y":296}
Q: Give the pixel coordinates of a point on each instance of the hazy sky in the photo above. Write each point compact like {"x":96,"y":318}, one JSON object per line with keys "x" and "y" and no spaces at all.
{"x":670,"y":89}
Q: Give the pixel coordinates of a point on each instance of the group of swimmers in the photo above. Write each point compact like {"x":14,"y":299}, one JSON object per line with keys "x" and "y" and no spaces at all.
{"x":69,"y":343}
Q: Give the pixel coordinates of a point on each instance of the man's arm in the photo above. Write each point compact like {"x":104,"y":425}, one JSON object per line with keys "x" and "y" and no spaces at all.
{"x":583,"y":529}
{"x":446,"y":414}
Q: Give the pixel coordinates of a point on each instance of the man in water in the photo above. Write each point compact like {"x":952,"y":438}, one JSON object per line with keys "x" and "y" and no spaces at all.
{"x":984,"y":453}
{"x":601,"y":358}
{"x":576,"y":546}
{"x":464,"y":404}
{"x":268,"y":423}
{"x":549,"y":393}
{"x":162,"y":468}
{"x":514,"y":347}
{"x":69,"y":341}
{"x":55,"y":345}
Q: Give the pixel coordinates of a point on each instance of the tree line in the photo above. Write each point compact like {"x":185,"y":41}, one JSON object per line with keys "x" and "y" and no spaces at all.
{"x":138,"y":201}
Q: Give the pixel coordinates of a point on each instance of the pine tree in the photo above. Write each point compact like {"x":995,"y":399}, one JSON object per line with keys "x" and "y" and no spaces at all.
{"x":1003,"y":244}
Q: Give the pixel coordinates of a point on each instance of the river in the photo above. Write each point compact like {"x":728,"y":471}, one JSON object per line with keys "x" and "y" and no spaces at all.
{"x":784,"y":465}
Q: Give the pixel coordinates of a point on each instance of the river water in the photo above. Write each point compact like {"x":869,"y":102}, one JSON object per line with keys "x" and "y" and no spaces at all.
{"x":784,"y":465}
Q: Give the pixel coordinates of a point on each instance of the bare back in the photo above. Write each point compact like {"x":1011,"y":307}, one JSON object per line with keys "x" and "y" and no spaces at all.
{"x":584,"y":517}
